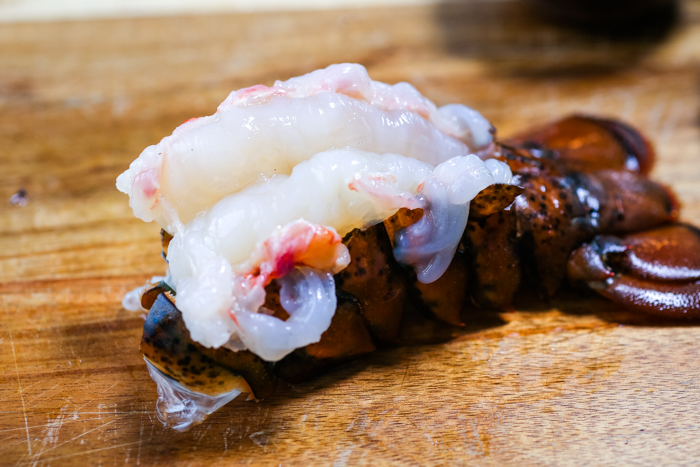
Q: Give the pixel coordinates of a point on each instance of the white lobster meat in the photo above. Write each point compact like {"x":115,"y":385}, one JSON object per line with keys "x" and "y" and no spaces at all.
{"x":267,"y":187}
{"x":260,"y":132}
{"x":222,"y":259}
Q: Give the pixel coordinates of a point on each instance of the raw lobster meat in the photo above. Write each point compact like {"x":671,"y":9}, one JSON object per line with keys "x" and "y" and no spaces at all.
{"x":580,"y":208}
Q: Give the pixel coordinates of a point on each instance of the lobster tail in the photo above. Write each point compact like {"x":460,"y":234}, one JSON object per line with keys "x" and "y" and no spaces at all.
{"x":655,"y":272}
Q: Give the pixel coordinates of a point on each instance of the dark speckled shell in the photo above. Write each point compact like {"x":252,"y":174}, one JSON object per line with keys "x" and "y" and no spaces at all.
{"x":167,"y":344}
{"x":493,"y":199}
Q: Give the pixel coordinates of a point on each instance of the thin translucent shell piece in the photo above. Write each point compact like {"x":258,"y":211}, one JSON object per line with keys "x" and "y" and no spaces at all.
{"x":179,"y":407}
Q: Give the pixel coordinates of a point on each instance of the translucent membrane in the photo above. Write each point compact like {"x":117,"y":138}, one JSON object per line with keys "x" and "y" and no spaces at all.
{"x":430,"y":244}
{"x":180,"y":408}
{"x":309,"y":298}
{"x":132,"y":299}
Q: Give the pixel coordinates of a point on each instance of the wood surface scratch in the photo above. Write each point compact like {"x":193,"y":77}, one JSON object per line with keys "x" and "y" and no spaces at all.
{"x":21,"y":395}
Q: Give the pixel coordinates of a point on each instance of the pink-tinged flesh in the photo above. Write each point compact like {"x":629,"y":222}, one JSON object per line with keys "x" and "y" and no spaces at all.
{"x":308,"y":295}
{"x":296,"y":245}
{"x":261,"y":132}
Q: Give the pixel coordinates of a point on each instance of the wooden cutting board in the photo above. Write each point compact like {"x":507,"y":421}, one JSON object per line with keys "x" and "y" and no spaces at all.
{"x":574,"y":381}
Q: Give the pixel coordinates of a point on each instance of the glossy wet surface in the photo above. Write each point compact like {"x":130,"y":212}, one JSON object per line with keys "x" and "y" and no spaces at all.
{"x":559,"y":384}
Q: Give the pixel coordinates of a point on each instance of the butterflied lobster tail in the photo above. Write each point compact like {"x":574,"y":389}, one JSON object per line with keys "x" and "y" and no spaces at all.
{"x":580,"y":206}
{"x":315,"y":220}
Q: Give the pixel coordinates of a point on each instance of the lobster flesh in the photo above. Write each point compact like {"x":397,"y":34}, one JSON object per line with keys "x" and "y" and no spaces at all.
{"x":580,"y":208}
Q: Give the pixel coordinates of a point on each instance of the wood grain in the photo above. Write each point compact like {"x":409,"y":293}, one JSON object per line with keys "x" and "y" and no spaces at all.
{"x":571,"y":382}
